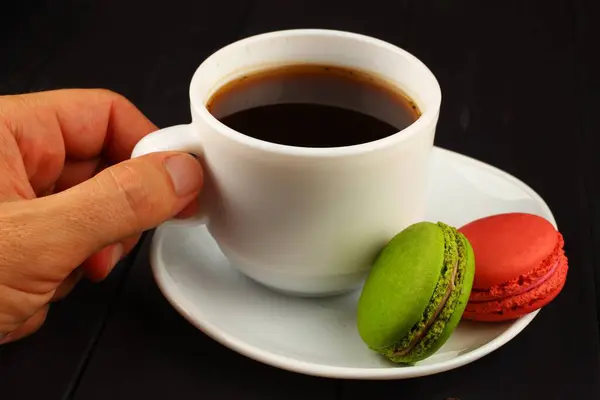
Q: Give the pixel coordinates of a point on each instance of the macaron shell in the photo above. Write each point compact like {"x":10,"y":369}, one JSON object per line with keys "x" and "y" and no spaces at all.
{"x":400,"y":285}
{"x":509,"y":245}
{"x":442,"y":305}
{"x":516,"y":306}
{"x":454,"y":320}
{"x":525,"y":282}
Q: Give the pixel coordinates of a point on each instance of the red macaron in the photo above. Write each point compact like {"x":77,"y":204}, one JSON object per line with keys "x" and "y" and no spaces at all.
{"x":520,"y":266}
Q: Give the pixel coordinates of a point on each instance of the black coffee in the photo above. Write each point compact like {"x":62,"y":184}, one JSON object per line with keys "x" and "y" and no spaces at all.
{"x":313,"y":106}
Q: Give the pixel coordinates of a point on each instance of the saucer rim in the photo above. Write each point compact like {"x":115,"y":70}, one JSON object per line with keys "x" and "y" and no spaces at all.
{"x":327,"y":371}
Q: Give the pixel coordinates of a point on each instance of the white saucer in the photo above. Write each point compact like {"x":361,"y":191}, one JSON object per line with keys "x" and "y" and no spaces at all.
{"x":319,"y":336}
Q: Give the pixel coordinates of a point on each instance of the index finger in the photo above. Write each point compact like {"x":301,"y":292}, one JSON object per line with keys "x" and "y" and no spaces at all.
{"x":93,"y":122}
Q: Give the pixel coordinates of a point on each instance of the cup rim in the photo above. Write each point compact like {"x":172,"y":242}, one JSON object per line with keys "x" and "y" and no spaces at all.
{"x":427,"y":118}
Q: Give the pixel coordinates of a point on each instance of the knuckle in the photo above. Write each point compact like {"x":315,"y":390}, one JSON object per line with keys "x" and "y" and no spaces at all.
{"x":18,"y":306}
{"x":110,"y":96}
{"x":137,"y":197}
{"x":107,"y":93}
{"x":50,"y":157}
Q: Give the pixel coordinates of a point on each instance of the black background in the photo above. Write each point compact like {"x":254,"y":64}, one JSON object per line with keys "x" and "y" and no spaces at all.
{"x":520,"y":91}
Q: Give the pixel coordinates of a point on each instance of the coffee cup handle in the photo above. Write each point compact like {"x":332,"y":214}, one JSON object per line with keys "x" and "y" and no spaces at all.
{"x":173,"y":138}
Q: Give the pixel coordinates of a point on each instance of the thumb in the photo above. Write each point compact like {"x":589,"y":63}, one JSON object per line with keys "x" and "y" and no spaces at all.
{"x":118,"y":202}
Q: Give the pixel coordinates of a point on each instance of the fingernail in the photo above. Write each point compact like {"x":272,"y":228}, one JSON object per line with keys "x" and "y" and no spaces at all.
{"x":185,"y":173}
{"x":117,"y":253}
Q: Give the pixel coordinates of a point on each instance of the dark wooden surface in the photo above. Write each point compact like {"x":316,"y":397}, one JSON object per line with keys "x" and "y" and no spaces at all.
{"x":520,"y":91}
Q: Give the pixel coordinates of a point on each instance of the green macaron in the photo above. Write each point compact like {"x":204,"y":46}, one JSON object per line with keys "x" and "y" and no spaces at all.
{"x":416,"y":292}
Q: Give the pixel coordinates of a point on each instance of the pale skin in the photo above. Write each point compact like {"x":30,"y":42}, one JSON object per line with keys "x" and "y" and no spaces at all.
{"x":72,"y":203}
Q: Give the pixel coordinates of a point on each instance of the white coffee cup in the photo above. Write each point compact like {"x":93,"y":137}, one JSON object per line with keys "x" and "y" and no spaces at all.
{"x":306,"y":221}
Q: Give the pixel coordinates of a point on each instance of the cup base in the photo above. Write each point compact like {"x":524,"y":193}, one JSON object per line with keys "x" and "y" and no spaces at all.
{"x":297,"y":285}
{"x":305,"y":294}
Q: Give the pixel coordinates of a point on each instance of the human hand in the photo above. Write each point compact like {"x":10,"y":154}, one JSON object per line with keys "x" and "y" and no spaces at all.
{"x":70,"y":205}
